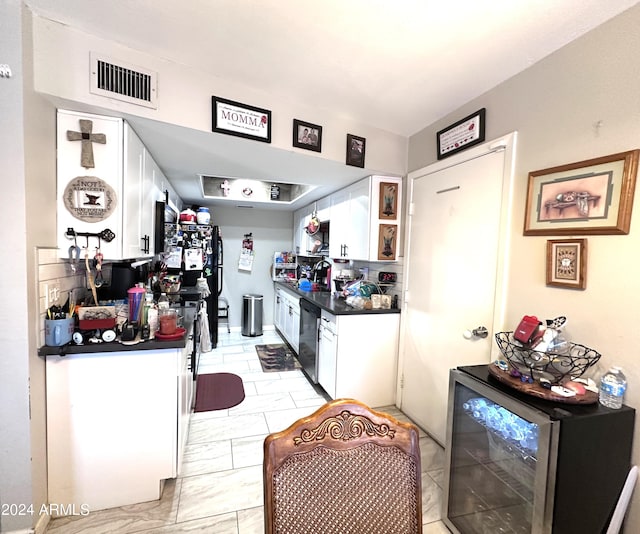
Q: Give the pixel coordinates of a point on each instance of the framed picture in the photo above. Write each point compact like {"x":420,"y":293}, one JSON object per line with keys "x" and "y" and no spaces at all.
{"x":388,"y":203}
{"x":387,"y":242}
{"x":241,"y":120}
{"x":462,"y":134}
{"x":567,"y":263}
{"x":307,"y":135}
{"x":588,"y":197}
{"x":355,"y":150}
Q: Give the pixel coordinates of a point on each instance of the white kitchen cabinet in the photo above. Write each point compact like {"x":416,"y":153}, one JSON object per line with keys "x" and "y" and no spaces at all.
{"x":117,"y":424}
{"x":117,"y":194}
{"x":300,"y":237}
{"x":356,"y":223}
{"x":287,"y":316}
{"x":358,"y":357}
{"x":327,"y":353}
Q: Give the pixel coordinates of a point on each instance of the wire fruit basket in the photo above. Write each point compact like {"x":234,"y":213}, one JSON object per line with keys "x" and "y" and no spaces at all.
{"x":552,"y":366}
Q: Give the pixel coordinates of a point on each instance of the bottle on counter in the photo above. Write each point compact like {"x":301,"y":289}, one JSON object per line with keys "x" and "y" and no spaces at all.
{"x":613,"y":385}
{"x":163,"y":301}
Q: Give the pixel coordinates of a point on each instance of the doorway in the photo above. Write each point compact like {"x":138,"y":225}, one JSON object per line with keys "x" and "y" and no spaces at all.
{"x":457,"y":241}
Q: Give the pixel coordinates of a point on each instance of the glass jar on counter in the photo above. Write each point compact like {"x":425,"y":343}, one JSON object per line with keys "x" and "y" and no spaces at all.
{"x":168,"y":321}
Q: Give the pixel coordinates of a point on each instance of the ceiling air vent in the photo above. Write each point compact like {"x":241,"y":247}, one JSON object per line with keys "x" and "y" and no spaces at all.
{"x":123,"y":82}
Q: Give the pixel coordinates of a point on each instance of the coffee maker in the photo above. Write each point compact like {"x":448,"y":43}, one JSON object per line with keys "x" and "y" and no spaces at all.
{"x":321,"y":273}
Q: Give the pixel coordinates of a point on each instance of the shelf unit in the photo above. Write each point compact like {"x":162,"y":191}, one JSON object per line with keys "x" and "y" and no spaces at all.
{"x":284,"y":266}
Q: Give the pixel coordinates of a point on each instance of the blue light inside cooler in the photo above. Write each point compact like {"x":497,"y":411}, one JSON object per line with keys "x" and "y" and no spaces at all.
{"x":503,"y":422}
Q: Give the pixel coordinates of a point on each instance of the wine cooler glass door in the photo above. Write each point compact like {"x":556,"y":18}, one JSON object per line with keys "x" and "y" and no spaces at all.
{"x":497,"y":463}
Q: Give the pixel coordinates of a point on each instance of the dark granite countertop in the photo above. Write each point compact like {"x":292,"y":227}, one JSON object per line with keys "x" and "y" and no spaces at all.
{"x":334,"y":305}
{"x":117,"y":346}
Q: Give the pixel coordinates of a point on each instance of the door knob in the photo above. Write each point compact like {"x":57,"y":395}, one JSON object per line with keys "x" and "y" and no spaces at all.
{"x":480,"y":332}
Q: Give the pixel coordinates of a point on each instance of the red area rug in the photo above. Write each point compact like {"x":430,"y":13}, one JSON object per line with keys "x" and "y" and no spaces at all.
{"x":218,"y":391}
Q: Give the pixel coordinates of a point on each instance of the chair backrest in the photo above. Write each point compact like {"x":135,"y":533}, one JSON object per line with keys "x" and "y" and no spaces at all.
{"x":344,"y":469}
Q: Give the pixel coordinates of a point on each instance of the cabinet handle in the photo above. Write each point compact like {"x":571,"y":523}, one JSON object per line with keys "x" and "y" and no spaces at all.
{"x":145,"y":244}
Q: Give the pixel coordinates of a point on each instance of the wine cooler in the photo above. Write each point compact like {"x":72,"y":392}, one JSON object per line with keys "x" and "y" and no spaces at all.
{"x":517,"y":464}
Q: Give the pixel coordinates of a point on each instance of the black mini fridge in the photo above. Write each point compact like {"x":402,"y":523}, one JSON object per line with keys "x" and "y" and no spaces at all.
{"x":522,"y":465}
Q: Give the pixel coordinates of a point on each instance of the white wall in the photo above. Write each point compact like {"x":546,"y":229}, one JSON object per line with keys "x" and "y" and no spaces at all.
{"x":272,"y":231}
{"x":555,"y":106}
{"x":184,"y":95}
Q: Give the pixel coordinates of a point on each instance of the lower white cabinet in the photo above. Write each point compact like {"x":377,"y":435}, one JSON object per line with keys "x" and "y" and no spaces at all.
{"x":358,"y":357}
{"x":287,"y":316}
{"x":117,"y":423}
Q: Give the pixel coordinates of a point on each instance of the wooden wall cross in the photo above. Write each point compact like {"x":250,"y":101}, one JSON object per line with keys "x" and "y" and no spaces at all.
{"x":86,"y":137}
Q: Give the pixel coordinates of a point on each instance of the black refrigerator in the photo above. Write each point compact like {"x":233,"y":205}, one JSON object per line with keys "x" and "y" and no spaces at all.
{"x":194,"y":251}
{"x":522,"y":465}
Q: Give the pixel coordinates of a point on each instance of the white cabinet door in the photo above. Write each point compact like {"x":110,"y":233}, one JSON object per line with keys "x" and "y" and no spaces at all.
{"x":132,"y":201}
{"x":90,"y":199}
{"x":359,"y":219}
{"x":185,"y":400}
{"x":367,"y":358}
{"x":340,"y":224}
{"x":349,"y":234}
{"x":295,"y":326}
{"x":327,"y":356}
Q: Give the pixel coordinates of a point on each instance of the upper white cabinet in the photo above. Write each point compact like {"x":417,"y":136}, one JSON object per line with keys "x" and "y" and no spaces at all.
{"x":365,"y":220}
{"x":107,"y":187}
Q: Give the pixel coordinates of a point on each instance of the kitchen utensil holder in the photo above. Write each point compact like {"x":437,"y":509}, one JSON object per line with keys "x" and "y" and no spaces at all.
{"x":551,"y":366}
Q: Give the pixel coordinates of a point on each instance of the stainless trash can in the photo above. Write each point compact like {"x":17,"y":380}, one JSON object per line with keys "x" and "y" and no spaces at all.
{"x":252,"y":315}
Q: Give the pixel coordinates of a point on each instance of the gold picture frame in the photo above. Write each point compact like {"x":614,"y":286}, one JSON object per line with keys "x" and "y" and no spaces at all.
{"x":388,"y":203}
{"x":592,"y":197}
{"x":567,"y":263}
{"x":387,"y":242}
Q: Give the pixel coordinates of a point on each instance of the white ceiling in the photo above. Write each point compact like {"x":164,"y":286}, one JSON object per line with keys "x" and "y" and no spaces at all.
{"x":397,"y":65}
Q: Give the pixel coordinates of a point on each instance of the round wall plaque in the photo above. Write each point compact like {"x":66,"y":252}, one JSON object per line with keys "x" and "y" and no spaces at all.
{"x":89,"y":199}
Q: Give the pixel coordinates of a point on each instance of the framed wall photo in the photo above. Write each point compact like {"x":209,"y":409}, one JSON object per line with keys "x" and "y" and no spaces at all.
{"x":241,"y":120}
{"x":462,"y":134}
{"x":355,"y":150}
{"x":307,"y":135}
{"x":567,"y":263}
{"x":388,"y":203}
{"x":592,"y":197}
{"x":387,"y":241}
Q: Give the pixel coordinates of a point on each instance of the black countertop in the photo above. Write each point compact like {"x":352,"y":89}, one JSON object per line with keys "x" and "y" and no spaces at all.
{"x":326,"y":301}
{"x":117,"y":346}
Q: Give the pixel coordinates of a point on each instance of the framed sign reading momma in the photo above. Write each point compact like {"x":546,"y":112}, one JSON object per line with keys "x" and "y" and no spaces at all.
{"x":241,"y":120}
{"x":588,"y":197}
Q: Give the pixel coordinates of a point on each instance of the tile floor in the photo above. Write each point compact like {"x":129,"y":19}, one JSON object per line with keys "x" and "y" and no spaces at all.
{"x":219,"y":490}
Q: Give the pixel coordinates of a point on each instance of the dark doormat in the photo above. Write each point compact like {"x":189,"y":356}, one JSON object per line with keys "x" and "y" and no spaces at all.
{"x":277,"y":357}
{"x":218,"y":391}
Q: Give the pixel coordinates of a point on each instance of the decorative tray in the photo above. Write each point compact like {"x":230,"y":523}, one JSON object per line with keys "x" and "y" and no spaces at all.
{"x":536,"y":390}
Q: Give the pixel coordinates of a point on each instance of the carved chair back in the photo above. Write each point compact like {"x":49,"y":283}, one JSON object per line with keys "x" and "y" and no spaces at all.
{"x":344,"y":469}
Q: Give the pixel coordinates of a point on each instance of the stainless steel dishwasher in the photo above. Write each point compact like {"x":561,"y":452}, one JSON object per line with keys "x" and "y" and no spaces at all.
{"x":308,"y":344}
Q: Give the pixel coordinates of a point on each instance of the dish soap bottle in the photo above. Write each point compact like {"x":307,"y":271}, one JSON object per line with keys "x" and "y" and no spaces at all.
{"x":612,"y":388}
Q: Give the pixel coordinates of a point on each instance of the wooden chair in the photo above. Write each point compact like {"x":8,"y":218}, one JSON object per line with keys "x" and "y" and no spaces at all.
{"x":344,"y":469}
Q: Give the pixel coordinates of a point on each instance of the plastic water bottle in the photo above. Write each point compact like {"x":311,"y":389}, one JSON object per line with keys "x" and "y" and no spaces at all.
{"x":612,"y":387}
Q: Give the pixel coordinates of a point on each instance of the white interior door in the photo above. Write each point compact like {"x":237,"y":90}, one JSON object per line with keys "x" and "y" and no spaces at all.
{"x":455,"y":266}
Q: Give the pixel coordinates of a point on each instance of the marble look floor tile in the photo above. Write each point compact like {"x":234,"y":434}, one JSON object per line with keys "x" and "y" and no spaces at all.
{"x":249,"y":389}
{"x":237,"y":426}
{"x":431,"y":454}
{"x":235,"y":367}
{"x":251,"y":521}
{"x":437,"y":527}
{"x":218,"y":493}
{"x":263,"y":403}
{"x":218,"y":524}
{"x":247,"y":451}
{"x":299,"y":383}
{"x":207,"y":457}
{"x":431,"y":500}
{"x":437,"y":475}
{"x":279,"y":420}
{"x":124,"y":519}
